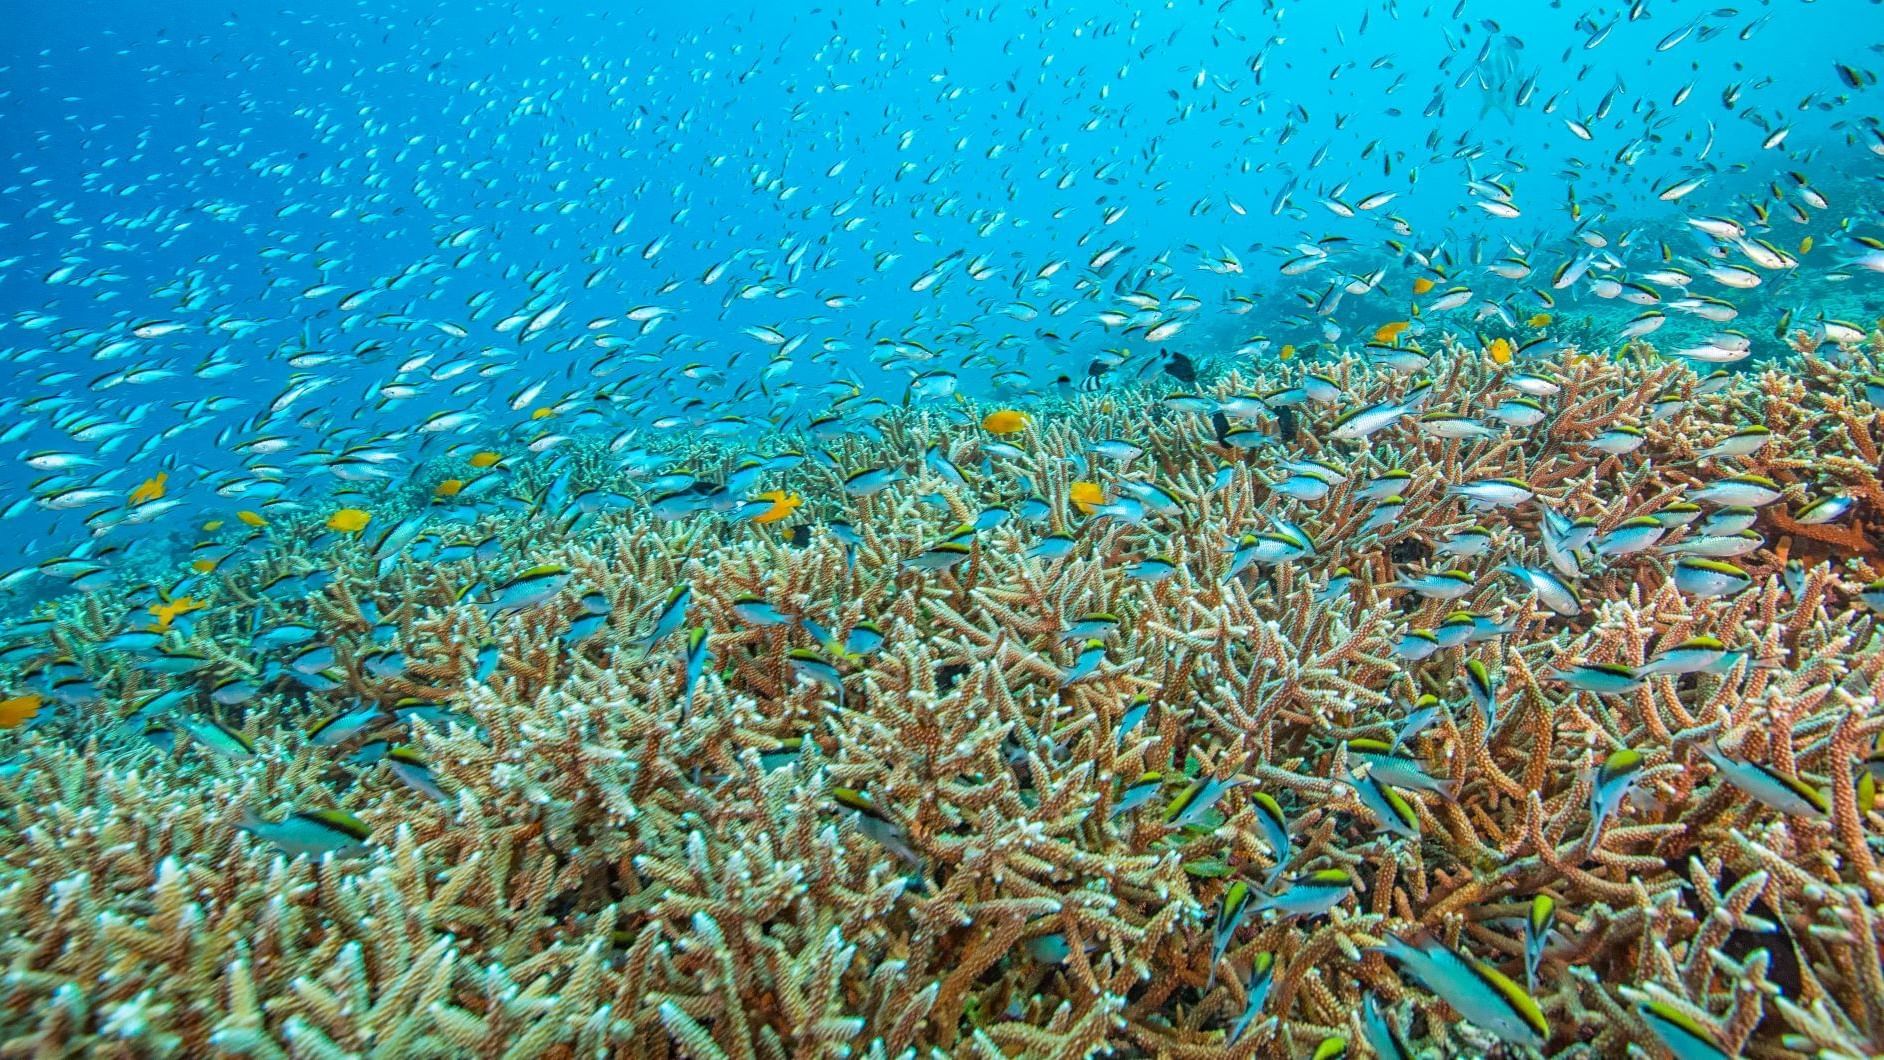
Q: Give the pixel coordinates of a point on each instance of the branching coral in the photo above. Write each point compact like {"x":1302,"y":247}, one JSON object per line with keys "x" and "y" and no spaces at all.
{"x":639,"y":860}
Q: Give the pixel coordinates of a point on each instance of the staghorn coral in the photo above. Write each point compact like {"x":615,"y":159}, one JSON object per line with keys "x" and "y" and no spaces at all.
{"x":1844,"y":457}
{"x":618,"y":870}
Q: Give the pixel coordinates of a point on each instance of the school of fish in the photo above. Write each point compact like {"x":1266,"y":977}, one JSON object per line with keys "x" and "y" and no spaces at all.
{"x":881,"y":534}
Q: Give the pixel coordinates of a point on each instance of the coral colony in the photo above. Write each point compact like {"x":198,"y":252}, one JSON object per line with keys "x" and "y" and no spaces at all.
{"x":917,"y":531}
{"x":823,"y":785}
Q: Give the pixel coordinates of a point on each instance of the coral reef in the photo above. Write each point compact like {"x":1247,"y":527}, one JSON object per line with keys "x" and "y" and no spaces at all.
{"x":650,"y":849}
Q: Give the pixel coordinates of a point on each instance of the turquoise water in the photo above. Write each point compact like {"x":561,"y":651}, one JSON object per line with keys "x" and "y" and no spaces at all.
{"x":334,"y":224}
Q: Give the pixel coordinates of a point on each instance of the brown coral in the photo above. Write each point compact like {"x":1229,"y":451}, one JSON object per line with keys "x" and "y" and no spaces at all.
{"x":616,"y":874}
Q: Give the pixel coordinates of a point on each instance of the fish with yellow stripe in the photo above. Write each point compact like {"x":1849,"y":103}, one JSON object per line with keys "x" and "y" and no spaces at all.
{"x":1476,"y":990}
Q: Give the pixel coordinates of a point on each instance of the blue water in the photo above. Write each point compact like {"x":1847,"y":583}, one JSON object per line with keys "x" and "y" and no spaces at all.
{"x":467,"y":163}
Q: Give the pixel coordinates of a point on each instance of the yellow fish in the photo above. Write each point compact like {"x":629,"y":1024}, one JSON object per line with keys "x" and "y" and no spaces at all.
{"x":249,"y":518}
{"x":449,"y":488}
{"x":1538,"y":320}
{"x":783,"y":504}
{"x":1867,"y":780}
{"x":1388,"y":332}
{"x":168,"y":611}
{"x":1805,"y":245}
{"x":212,"y":526}
{"x":1421,"y":285}
{"x":1499,"y":351}
{"x":1086,"y":496}
{"x":542,"y":414}
{"x":18,"y":710}
{"x":349,"y":520}
{"x":150,"y":489}
{"x":1288,"y":352}
{"x":1005,"y":421}
{"x":485,"y":458}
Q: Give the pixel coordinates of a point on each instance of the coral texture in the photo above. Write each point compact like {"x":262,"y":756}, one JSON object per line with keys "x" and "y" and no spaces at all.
{"x":646,"y":854}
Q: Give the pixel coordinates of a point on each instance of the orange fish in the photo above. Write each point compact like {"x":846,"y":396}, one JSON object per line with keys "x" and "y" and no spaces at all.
{"x":1086,"y":496}
{"x":150,"y":489}
{"x":18,"y":710}
{"x":1005,"y":421}
{"x":449,"y":488}
{"x":1388,"y":332}
{"x":1421,"y":285}
{"x":784,"y":503}
{"x":1499,"y":351}
{"x":349,"y":520}
{"x":485,"y":458}
{"x":168,"y":611}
